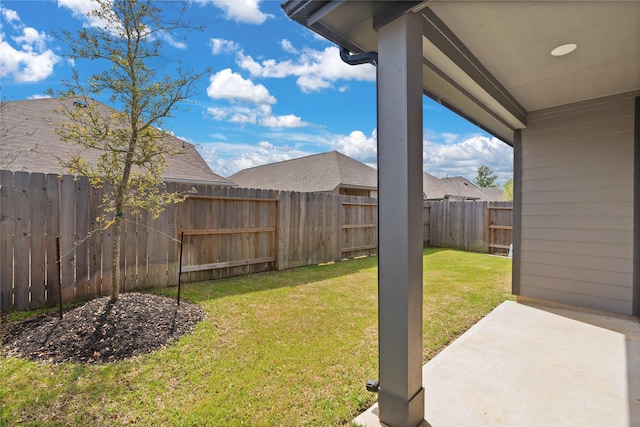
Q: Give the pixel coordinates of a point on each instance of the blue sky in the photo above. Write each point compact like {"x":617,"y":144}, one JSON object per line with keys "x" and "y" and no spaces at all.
{"x":276,"y":91}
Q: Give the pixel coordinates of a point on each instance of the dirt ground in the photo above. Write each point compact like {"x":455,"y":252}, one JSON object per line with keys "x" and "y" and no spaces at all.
{"x":101,"y":331}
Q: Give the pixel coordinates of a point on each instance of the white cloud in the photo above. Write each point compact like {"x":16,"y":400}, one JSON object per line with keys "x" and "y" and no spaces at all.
{"x":218,"y":114}
{"x":261,"y":115}
{"x":10,"y":15}
{"x":287,"y":121}
{"x":39,"y":96}
{"x":228,"y":158}
{"x":316,"y":69}
{"x":79,"y":7}
{"x":243,"y":11}
{"x":31,"y":60}
{"x":82,"y":9}
{"x":31,"y":39}
{"x":171,"y":40}
{"x":464,"y":157}
{"x":219,"y":46}
{"x":228,"y":85}
{"x":359,"y":146}
{"x":287,"y":46}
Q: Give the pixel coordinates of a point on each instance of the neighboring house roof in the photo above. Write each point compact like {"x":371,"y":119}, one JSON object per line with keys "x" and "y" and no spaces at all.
{"x":456,"y":188}
{"x":31,"y":144}
{"x":325,"y":172}
{"x":494,"y":194}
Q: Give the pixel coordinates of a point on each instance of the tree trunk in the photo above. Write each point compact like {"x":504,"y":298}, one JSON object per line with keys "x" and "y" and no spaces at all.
{"x":115,"y":253}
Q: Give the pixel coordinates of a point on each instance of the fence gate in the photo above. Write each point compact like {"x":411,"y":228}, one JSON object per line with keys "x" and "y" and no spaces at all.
{"x":500,"y":227}
{"x":228,"y":234}
{"x":359,"y":228}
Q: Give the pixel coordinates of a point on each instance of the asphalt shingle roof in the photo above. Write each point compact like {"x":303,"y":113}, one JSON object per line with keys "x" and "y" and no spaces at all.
{"x":30,"y":143}
{"x":323,"y":172}
{"x":457,"y":187}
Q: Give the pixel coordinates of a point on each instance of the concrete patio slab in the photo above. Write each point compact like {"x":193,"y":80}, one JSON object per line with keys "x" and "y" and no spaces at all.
{"x":534,"y":365}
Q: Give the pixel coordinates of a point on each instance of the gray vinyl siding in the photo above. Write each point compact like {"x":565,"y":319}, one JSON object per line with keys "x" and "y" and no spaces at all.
{"x":577,"y":204}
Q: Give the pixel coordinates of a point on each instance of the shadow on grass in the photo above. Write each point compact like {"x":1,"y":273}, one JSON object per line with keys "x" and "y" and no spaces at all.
{"x":271,"y":280}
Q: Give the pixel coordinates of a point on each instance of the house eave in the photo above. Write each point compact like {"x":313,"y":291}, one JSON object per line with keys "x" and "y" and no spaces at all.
{"x":452,"y":76}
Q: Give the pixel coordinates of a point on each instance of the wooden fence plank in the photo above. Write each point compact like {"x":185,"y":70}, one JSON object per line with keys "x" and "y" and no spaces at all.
{"x":95,"y":244}
{"x":218,"y":212}
{"x":158,"y":247}
{"x":83,"y":235}
{"x":37,"y":239}
{"x":133,"y":246}
{"x":53,"y":231}
{"x":227,"y":264}
{"x":21,"y":227}
{"x":67,"y":236}
{"x":219,"y":231}
{"x":107,"y":257}
{"x":172,"y":237}
{"x":426,"y":225}
{"x":6,"y":239}
{"x":284,"y":229}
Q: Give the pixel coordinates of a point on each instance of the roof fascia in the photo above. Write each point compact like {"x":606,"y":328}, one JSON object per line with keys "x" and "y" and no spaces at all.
{"x":448,"y":43}
{"x":395,"y":10}
{"x":199,"y":181}
{"x":356,"y":187}
{"x":506,"y":138}
{"x":309,"y":13}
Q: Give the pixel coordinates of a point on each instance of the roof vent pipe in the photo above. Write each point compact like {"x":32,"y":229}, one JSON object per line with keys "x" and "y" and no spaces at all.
{"x":358,"y":58}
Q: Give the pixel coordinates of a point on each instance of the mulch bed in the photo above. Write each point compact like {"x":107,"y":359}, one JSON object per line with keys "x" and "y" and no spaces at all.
{"x":100,"y":331}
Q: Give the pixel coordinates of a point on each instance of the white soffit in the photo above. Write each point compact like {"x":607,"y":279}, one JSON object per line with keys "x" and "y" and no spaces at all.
{"x":514,"y":40}
{"x":441,"y":61}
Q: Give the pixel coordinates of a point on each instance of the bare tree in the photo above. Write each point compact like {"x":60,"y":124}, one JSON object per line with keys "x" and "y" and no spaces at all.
{"x":133,"y":151}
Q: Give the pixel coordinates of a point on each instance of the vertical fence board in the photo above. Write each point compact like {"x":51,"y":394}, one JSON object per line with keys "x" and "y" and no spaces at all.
{"x":67,"y":234}
{"x":53,"y":231}
{"x":95,"y":244}
{"x":21,"y":226}
{"x":37,"y":238}
{"x":158,"y":251}
{"x":83,"y":235}
{"x":308,"y":229}
{"x":6,"y":239}
{"x":217,"y":219}
{"x":129,"y":252}
{"x":426,"y":225}
{"x":284,"y":229}
{"x":107,"y":258}
{"x":145,"y":230}
{"x":171,"y":237}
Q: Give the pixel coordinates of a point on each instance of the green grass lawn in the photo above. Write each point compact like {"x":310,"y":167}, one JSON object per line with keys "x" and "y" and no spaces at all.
{"x":288,"y":348}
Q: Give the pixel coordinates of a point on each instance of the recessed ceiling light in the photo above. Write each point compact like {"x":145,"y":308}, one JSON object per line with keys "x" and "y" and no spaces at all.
{"x":565,"y":49}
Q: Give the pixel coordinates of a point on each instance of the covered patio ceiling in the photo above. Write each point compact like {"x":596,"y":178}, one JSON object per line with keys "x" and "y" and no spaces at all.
{"x":491,"y":61}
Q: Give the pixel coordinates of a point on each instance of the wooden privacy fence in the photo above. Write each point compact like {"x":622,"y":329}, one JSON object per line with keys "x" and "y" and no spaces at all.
{"x":470,"y":226}
{"x":50,"y":239}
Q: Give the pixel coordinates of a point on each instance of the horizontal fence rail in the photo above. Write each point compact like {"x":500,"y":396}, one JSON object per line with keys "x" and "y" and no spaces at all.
{"x":52,"y":247}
